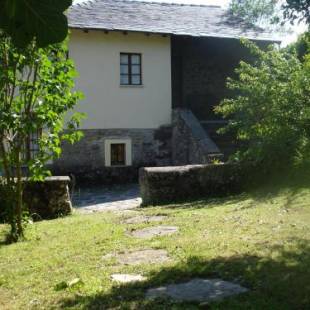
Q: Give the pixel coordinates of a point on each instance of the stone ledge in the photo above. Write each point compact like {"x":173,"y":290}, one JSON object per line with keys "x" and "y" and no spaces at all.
{"x":64,"y":179}
{"x":159,"y":185}
{"x":47,"y":199}
{"x":50,"y":198}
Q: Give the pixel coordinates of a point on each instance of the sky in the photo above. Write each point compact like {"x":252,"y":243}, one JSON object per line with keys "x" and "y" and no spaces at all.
{"x":224,"y":3}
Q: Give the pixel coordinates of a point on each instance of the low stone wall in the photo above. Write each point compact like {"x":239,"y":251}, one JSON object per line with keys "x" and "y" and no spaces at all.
{"x":160,"y":185}
{"x":48,"y":199}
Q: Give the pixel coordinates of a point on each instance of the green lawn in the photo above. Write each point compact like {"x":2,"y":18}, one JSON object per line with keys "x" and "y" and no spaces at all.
{"x":261,"y":240}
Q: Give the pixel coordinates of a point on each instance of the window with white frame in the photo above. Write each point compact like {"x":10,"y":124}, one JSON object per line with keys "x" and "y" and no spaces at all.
{"x":118,"y":152}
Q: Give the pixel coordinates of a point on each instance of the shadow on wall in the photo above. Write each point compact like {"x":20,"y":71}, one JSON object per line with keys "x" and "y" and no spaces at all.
{"x":274,"y":283}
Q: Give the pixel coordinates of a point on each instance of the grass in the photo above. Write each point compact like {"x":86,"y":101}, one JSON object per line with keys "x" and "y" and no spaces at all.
{"x":261,"y":240}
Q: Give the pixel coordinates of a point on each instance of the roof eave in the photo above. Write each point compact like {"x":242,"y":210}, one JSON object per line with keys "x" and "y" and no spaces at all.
{"x":252,"y":38}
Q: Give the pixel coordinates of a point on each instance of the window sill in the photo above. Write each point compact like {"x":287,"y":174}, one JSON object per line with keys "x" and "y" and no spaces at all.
{"x":131,"y":86}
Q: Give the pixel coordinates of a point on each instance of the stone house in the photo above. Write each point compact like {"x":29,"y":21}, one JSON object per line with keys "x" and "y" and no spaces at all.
{"x":151,"y":74}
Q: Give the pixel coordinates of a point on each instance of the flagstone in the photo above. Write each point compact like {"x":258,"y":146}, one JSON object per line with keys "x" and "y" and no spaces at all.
{"x":156,"y":231}
{"x":200,"y":290}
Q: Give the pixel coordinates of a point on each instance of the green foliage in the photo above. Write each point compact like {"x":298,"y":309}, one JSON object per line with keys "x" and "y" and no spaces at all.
{"x":297,"y":10}
{"x":256,"y":11}
{"x":270,"y":112}
{"x":43,"y":20}
{"x":301,"y":46}
{"x":35,"y":94}
{"x":271,"y":12}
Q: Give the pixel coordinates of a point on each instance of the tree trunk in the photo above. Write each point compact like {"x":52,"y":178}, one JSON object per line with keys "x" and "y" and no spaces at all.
{"x":19,"y":201}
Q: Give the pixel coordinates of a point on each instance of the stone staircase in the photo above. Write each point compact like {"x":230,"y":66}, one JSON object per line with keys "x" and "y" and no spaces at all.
{"x":196,"y":141}
{"x":225,"y":142}
{"x":191,"y":144}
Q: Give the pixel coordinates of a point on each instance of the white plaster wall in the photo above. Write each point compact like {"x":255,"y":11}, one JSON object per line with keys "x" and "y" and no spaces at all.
{"x":109,"y":105}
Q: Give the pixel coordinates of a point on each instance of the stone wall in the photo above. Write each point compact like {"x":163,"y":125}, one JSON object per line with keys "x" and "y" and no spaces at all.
{"x":44,"y":200}
{"x":200,"y":67}
{"x":161,"y":185}
{"x":190,"y":142}
{"x":86,"y":159}
{"x":48,"y":199}
{"x":185,"y":142}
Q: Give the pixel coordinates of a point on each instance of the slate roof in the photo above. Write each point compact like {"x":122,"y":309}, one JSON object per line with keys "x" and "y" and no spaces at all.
{"x":163,"y":18}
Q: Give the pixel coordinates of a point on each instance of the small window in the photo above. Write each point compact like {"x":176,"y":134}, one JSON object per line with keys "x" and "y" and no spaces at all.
{"x":118,"y":154}
{"x":130,"y":69}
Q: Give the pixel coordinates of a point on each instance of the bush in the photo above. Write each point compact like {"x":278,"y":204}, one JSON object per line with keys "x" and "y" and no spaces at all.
{"x":270,"y":112}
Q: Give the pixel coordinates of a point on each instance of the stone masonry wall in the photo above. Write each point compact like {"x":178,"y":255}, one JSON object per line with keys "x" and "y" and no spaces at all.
{"x":86,"y":159}
{"x":190,"y":142}
{"x":200,"y":67}
{"x":47,"y":199}
{"x":171,"y":184}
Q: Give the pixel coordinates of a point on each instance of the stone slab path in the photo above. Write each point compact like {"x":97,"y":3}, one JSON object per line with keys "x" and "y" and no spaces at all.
{"x":122,"y":199}
{"x":127,"y":278}
{"x":200,"y":290}
{"x":101,"y":199}
{"x":150,"y":232}
{"x":148,"y":256}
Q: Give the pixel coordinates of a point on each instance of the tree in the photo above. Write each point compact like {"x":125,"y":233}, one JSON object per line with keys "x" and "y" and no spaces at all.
{"x":270,"y":112}
{"x":301,"y":46}
{"x":43,"y":20}
{"x":271,"y":12}
{"x":297,"y":10}
{"x":35,"y":93}
{"x":258,"y":12}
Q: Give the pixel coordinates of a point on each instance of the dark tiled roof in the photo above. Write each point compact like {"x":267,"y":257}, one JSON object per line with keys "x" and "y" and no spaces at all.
{"x":164,"y":18}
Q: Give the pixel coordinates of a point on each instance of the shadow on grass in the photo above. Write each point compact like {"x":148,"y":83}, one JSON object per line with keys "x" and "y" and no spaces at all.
{"x":4,"y":234}
{"x":201,"y":203}
{"x":289,"y":186}
{"x":279,"y":283}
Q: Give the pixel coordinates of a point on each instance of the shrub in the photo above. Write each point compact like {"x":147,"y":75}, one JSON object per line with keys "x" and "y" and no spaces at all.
{"x":270,"y":112}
